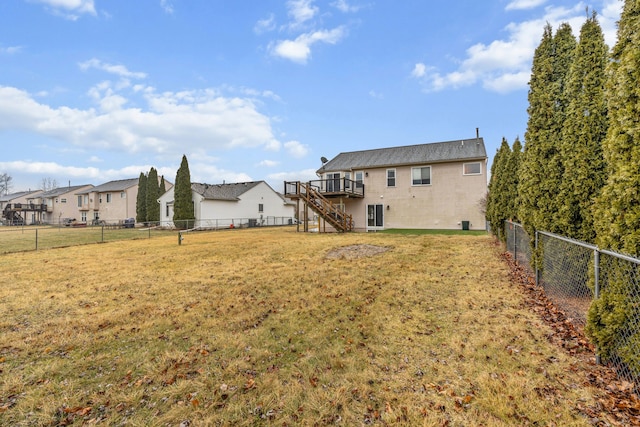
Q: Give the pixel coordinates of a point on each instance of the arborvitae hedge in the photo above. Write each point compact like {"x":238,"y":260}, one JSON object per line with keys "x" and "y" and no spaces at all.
{"x":496,"y":204}
{"x":153,"y":190}
{"x":141,"y":199}
{"x":584,"y":130}
{"x":183,"y":214}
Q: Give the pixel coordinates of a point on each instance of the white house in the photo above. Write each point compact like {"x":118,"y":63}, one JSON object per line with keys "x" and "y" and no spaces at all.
{"x":240,"y":204}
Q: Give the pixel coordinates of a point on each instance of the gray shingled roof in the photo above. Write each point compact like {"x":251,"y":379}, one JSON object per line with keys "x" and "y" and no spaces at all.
{"x":13,"y":196}
{"x":119,"y":185}
{"x":223,"y":191}
{"x":438,"y":152}
{"x":62,"y":190}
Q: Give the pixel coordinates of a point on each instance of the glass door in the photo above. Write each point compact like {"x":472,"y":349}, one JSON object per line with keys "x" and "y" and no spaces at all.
{"x":375,"y":217}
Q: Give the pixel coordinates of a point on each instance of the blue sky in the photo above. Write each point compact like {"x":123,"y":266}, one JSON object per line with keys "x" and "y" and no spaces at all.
{"x":95,"y":90}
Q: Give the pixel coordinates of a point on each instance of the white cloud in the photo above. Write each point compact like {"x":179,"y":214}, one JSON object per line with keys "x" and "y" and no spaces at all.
{"x":265,"y":25}
{"x":419,"y":70}
{"x":69,"y":9}
{"x":49,"y":168}
{"x":119,"y":70}
{"x":268,"y":163}
{"x":204,"y":120}
{"x":505,"y":65}
{"x":345,"y":7}
{"x":524,"y":4}
{"x":299,"y":50}
{"x":296,"y":149}
{"x":10,"y":50}
{"x":376,"y":95}
{"x":303,"y":175}
{"x":167,"y":6}
{"x":300,"y":11}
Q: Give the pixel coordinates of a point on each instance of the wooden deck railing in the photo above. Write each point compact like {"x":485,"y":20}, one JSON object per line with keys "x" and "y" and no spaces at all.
{"x":313,"y":198}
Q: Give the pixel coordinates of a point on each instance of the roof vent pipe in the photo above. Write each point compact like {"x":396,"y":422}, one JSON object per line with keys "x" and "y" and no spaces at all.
{"x":477,"y":132}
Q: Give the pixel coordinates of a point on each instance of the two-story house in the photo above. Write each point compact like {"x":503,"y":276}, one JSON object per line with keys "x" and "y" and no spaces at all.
{"x":61,"y":203}
{"x":112,"y":201}
{"x":20,"y":209}
{"x":425,"y":186}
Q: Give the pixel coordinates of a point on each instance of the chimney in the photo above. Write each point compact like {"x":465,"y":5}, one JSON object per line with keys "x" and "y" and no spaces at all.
{"x":477,"y":133}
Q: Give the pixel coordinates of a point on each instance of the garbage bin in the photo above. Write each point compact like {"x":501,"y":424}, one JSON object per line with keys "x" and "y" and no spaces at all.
{"x":465,"y":225}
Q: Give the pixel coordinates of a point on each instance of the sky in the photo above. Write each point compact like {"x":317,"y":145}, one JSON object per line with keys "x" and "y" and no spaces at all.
{"x":98,"y":90}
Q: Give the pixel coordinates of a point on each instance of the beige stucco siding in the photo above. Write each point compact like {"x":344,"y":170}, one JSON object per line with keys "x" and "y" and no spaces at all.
{"x":451,"y":198}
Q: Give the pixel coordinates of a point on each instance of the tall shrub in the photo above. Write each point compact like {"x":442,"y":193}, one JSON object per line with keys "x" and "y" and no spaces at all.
{"x":183,"y":214}
{"x":617,"y":219}
{"x":153,"y":190}
{"x":496,"y":213}
{"x":141,"y":199}
{"x":584,"y":130}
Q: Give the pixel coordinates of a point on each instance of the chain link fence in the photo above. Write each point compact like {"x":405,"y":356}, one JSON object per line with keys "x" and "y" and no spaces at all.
{"x":28,"y":238}
{"x":587,"y":282}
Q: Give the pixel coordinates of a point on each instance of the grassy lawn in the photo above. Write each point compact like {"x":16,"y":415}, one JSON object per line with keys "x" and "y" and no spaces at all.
{"x":419,"y":232}
{"x":18,"y":239}
{"x":264,"y":327}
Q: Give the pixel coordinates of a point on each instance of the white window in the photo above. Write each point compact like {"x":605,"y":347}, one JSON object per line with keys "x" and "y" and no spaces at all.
{"x":63,"y":200}
{"x":421,"y":176}
{"x":347,"y":180}
{"x":80,"y":202}
{"x":474,"y":168}
{"x":359,"y":181}
{"x":83,"y":217}
{"x":108,"y":197}
{"x":391,"y":177}
{"x":123,"y":195}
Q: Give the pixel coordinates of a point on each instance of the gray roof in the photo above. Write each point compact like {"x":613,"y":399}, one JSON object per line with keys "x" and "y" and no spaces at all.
{"x":13,"y":196}
{"x":438,"y":152}
{"x":118,"y":185}
{"x":62,"y":190}
{"x":229,"y":192}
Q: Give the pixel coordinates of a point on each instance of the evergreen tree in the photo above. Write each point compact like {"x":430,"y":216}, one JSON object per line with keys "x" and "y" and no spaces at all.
{"x":496,"y":201}
{"x":183,"y":214}
{"x":141,"y":199}
{"x":153,"y":207}
{"x":541,"y":167}
{"x":617,"y":219}
{"x":512,"y":179}
{"x":583,"y":133}
{"x":163,"y":186}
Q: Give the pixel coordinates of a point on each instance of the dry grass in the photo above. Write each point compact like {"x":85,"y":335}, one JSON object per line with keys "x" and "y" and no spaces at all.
{"x":253,"y":327}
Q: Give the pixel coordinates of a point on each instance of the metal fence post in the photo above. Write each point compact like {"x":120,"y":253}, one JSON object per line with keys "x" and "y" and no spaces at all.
{"x":596,"y":288}
{"x":515,"y":243}
{"x":36,"y":239}
{"x":537,"y":278}
{"x":102,"y":233}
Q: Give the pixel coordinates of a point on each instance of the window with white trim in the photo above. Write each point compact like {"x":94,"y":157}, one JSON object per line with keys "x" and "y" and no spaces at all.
{"x":108,"y":197}
{"x":358,"y":179}
{"x":474,"y":168}
{"x":391,"y":177}
{"x":421,"y":175}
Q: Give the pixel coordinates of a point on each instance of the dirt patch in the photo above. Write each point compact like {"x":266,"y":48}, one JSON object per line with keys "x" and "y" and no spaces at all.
{"x":356,"y":251}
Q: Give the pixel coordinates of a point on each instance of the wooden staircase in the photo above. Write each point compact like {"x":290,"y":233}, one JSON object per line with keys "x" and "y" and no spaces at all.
{"x":338,"y":219}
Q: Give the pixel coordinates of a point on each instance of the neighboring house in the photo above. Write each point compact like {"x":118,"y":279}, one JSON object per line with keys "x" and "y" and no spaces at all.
{"x":17,"y":209}
{"x":426,"y":186}
{"x":113,"y":201}
{"x":61,"y":203}
{"x":238,"y":204}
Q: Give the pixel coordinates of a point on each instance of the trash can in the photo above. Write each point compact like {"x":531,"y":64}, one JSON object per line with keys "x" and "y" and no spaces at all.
{"x":465,"y":225}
